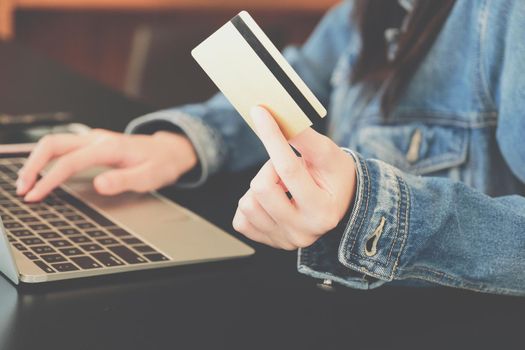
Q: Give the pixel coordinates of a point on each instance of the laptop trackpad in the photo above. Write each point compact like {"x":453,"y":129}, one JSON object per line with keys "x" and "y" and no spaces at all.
{"x":165,"y":225}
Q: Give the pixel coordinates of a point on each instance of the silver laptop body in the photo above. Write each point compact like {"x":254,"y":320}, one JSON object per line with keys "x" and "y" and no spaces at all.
{"x":132,"y":231}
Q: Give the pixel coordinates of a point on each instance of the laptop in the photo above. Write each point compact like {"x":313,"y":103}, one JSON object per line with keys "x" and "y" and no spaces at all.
{"x":77,"y":233}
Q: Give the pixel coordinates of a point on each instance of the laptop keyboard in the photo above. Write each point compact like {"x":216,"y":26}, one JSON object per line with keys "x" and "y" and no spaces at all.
{"x":62,"y":233}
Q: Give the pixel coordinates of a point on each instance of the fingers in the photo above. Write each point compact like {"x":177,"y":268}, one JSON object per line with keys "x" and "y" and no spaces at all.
{"x":289,"y":167}
{"x":142,"y":178}
{"x":242,"y":225}
{"x":47,"y":149}
{"x":95,"y":154}
{"x":268,"y":192}
{"x":250,"y":207}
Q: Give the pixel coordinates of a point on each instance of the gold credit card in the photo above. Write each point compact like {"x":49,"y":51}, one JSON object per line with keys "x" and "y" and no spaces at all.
{"x":249,"y":70}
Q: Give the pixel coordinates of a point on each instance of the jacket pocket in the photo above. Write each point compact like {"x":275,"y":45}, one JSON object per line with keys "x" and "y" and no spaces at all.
{"x":415,"y":148}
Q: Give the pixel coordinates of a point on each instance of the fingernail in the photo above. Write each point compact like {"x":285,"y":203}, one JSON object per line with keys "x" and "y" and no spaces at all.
{"x":258,"y":114}
{"x":21,"y":186}
{"x":30,"y":197}
{"x":102,"y":183}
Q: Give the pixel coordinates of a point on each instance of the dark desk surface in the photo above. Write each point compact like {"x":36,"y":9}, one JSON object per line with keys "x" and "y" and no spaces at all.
{"x":256,"y":303}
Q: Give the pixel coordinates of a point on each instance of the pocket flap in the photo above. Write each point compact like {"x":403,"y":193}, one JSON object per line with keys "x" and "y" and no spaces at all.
{"x":415,"y":148}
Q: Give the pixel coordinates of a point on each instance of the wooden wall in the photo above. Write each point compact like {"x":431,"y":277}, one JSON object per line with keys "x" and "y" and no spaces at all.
{"x":98,"y":44}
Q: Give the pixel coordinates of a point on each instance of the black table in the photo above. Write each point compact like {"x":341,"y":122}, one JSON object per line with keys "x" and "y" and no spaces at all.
{"x":255,"y":303}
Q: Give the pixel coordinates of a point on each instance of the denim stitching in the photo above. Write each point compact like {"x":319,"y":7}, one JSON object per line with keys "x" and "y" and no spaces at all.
{"x":406,"y":222}
{"x":364,"y":214}
{"x":489,"y":118}
{"x":324,"y":275}
{"x":484,"y":91}
{"x":366,"y":195}
{"x":345,"y":252}
{"x":376,"y":262}
{"x":397,"y":222}
{"x":450,"y":159}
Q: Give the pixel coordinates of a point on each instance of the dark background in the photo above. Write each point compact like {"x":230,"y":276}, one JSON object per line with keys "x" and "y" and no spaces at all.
{"x":146,"y":54}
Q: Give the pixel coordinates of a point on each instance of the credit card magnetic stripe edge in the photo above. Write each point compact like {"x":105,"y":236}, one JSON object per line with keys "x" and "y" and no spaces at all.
{"x":274,"y":68}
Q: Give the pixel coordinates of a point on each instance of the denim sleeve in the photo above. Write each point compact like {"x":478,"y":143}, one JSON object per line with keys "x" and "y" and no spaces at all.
{"x":411,"y":228}
{"x":222,"y":140}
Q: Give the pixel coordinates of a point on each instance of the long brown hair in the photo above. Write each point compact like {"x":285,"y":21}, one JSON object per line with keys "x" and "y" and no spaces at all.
{"x":373,"y":67}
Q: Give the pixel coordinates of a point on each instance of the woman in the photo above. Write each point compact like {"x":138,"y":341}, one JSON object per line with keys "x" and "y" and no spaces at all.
{"x":428,"y":97}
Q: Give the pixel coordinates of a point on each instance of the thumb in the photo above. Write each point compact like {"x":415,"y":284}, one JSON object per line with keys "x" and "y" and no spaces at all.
{"x":116,"y":181}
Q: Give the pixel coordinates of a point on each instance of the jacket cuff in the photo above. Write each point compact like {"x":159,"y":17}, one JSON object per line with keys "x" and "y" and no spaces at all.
{"x":206,"y":141}
{"x":364,"y":250}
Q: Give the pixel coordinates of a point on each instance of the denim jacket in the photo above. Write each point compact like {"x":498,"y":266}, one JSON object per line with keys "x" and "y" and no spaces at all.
{"x":440,"y":190}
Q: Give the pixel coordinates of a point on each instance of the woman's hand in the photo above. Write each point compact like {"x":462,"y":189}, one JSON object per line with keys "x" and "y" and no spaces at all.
{"x":142,"y":162}
{"x":321,"y":184}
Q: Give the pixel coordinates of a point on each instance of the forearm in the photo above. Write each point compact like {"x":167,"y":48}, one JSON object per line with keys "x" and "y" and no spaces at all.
{"x":405,"y":227}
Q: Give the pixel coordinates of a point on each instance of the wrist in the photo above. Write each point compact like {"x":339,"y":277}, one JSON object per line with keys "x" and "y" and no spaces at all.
{"x":180,"y":148}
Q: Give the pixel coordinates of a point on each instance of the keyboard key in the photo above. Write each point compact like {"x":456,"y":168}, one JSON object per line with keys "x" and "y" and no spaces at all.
{"x":101,"y":220}
{"x":10,"y":205}
{"x":85,"y":262}
{"x":84,"y":225}
{"x":91,"y":247}
{"x":107,"y":241}
{"x":69,"y":231}
{"x":44,"y":267}
{"x":53,"y":258}
{"x":40,"y":210}
{"x":132,"y":241}
{"x":29,"y":219}
{"x":96,"y":234}
{"x":19,"y":246}
{"x":107,"y":259}
{"x":85,"y":209}
{"x":11,"y":191}
{"x":44,"y":249}
{"x":19,"y":212}
{"x":119,"y":232}
{"x":40,"y":227}
{"x":21,"y":233}
{"x":64,"y":210}
{"x":75,"y":217}
{"x":12,"y":225}
{"x":53,"y":201}
{"x":156,"y":257}
{"x":32,"y":241}
{"x":4,"y":169}
{"x":59,"y":223}
{"x":80,"y":239}
{"x":64,"y":267}
{"x":6,"y":217}
{"x":60,"y":243}
{"x":71,"y":251}
{"x":127,"y":255}
{"x":49,"y":216}
{"x":144,"y":249}
{"x":30,"y":255}
{"x":49,"y":235}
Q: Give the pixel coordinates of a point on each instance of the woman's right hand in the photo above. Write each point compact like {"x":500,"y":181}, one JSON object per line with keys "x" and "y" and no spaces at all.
{"x":141,"y":163}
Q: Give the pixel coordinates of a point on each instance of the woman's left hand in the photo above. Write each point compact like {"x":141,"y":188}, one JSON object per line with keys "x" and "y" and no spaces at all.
{"x":321,"y":183}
